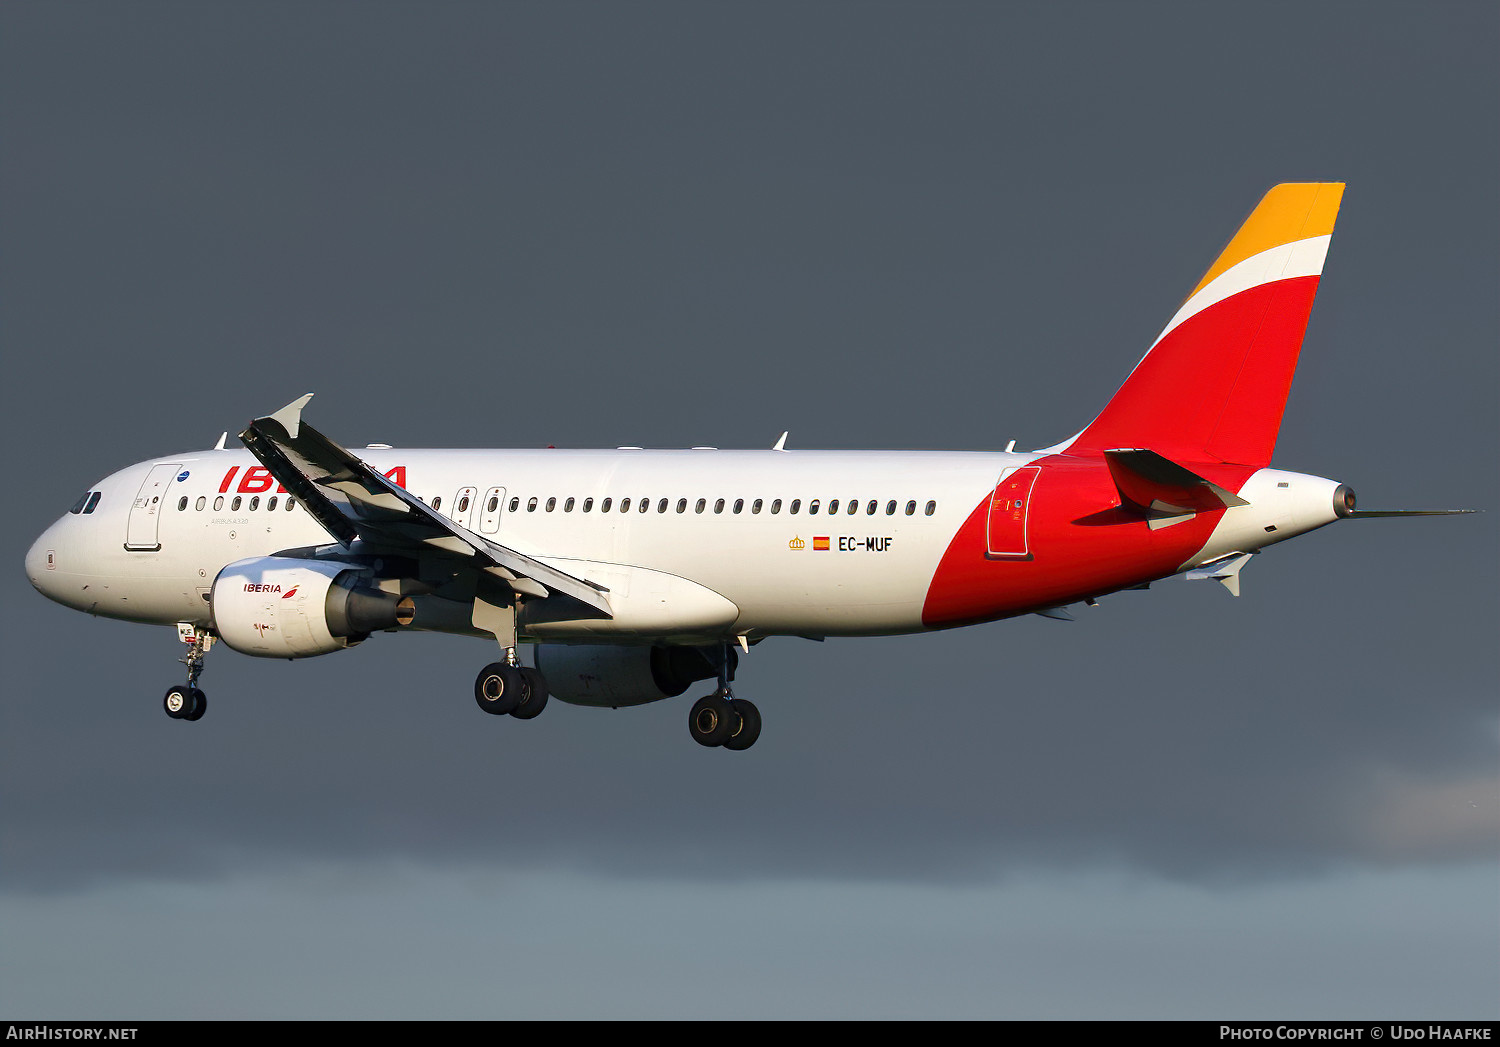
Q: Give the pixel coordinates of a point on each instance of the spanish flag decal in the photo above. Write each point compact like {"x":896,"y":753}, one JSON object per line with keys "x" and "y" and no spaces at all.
{"x":820,"y":543}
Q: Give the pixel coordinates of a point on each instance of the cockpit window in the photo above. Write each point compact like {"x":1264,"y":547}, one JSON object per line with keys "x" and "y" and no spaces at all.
{"x":78,"y":505}
{"x":93,"y":502}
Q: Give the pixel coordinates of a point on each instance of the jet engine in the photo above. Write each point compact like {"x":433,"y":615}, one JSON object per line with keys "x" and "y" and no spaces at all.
{"x":278,"y":607}
{"x":607,"y":675}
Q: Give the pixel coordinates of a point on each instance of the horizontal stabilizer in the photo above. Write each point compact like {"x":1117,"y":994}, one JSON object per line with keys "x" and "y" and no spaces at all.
{"x":1155,"y":485}
{"x":1225,"y":571}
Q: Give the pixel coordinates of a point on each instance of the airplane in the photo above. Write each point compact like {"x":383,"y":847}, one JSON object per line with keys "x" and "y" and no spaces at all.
{"x":637,"y":573}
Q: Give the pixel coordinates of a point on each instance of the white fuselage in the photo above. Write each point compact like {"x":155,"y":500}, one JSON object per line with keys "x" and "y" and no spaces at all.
{"x":738,"y":523}
{"x":730,"y":543}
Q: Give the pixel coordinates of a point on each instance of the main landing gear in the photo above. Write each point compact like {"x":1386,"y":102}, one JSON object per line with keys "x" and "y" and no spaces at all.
{"x":722,"y":719}
{"x":506,"y":687}
{"x":185,"y":701}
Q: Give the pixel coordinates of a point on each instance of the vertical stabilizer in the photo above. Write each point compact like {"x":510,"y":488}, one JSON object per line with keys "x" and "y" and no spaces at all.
{"x":1213,"y":385}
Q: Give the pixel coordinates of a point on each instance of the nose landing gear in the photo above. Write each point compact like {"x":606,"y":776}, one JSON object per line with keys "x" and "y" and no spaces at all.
{"x":187,"y":702}
{"x":184,"y":703}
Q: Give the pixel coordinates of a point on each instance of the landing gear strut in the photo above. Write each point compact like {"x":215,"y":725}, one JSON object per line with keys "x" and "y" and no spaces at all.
{"x":187,"y":702}
{"x":721,"y":718}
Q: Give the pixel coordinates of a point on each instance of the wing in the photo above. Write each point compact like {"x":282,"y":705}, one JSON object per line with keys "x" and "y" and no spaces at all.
{"x":353,"y":502}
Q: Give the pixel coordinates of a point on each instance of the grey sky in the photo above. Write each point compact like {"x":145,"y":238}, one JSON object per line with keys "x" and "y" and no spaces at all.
{"x":672,"y":224}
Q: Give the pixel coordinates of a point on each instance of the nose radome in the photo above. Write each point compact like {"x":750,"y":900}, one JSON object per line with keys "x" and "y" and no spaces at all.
{"x":41,"y":561}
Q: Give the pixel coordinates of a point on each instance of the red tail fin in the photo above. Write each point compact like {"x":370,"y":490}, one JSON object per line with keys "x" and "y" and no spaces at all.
{"x":1214,"y":384}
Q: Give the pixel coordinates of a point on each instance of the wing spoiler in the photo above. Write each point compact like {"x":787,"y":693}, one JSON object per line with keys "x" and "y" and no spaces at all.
{"x":353,"y":501}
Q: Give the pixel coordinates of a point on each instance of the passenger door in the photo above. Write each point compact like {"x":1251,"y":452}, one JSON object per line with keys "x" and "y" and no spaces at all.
{"x":1010,"y":506}
{"x":141,"y":529}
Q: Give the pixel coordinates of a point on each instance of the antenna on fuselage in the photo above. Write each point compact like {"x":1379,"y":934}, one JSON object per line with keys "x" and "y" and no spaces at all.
{"x":781,"y":444}
{"x":220,"y":445}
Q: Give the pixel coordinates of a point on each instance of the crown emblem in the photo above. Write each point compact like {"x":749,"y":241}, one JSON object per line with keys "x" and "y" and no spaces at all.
{"x":796,"y":543}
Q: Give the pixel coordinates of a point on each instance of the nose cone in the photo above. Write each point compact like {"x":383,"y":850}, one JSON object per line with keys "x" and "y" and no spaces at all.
{"x":42,"y":562}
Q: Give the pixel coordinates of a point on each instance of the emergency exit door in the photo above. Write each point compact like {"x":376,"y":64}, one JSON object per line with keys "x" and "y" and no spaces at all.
{"x":490,"y":508}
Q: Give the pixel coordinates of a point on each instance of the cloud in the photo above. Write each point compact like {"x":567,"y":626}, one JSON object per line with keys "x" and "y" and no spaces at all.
{"x":1417,"y":820}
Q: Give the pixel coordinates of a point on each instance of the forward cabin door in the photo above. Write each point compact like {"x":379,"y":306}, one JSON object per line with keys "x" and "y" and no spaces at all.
{"x":145,"y":513}
{"x":1010,"y":506}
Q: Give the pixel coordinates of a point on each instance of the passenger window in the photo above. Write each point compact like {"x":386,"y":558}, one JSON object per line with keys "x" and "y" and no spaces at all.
{"x":701,"y":505}
{"x":775,"y":506}
{"x":796,"y":504}
{"x":911,"y":508}
{"x":234,"y":506}
{"x":755,"y":508}
{"x":645,"y":505}
{"x":890,"y":507}
{"x":551,"y":504}
{"x":661,"y":506}
{"x":492,"y":504}
{"x":568,"y":506}
{"x":182,"y":503}
{"x":719,"y":506}
{"x":833,"y":506}
{"x":463,"y":504}
{"x":271,"y":505}
{"x":870,"y":509}
{"x":437,"y":502}
{"x":202,"y":501}
{"x":853,"y":506}
{"x":515,"y":503}
{"x":682,"y":505}
{"x":291,"y":503}
{"x":812,"y":507}
{"x":588,"y":505}
{"x":604,"y":505}
{"x":218,"y":503}
{"x":531,"y":504}
{"x":931,"y":508}
{"x":739,"y":505}
{"x":255,"y":502}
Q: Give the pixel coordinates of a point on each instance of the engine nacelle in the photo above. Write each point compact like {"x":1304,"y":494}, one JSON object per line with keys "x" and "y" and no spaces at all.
{"x":608,"y":675}
{"x":278,"y":607}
